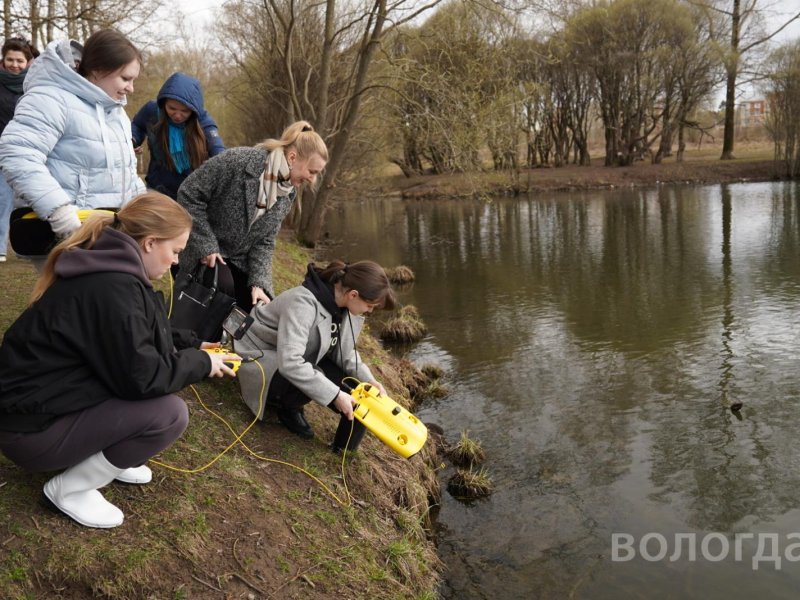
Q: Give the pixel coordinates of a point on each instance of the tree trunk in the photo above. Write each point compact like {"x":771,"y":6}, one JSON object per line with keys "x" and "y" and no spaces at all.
{"x":51,"y":17}
{"x":7,"y":19}
{"x":730,"y":115}
{"x":314,"y":209}
{"x":35,"y":17}
{"x":72,"y":24}
{"x":611,"y":148}
{"x":681,"y":144}
{"x":325,"y":67}
{"x":730,"y":86}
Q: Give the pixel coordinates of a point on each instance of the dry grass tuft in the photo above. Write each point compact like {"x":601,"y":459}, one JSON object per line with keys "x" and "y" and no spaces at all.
{"x":400,"y":275}
{"x":405,"y":327}
{"x":466,"y":452}
{"x":432,"y":371}
{"x":466,"y":484}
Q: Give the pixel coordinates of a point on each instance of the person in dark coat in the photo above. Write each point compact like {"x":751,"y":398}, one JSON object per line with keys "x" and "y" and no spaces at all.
{"x":238,"y":201}
{"x":17,"y":54}
{"x":180,"y":134}
{"x":89,"y":371}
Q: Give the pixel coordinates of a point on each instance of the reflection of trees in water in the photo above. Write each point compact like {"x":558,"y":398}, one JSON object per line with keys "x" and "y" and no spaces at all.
{"x":737,"y":469}
{"x":648,"y":281}
{"x":481,"y":277}
{"x":630,"y":270}
{"x":726,"y":351}
{"x":724,"y":472}
{"x":779,"y":263}
{"x":640,"y":281}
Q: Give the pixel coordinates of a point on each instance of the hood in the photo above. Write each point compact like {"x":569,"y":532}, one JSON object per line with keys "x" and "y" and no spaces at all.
{"x":323,"y":292}
{"x":114,"y":252}
{"x":55,"y":68}
{"x":184,"y":89}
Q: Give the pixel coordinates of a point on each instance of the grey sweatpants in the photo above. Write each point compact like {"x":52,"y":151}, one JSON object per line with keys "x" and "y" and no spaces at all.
{"x":127,"y":432}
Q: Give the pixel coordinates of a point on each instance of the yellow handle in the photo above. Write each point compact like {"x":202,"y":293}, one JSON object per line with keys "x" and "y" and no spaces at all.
{"x":83,"y":213}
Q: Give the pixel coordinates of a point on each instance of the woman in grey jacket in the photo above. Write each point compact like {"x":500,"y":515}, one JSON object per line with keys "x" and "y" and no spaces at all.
{"x":238,"y":200}
{"x":69,"y":144}
{"x":305,"y":342}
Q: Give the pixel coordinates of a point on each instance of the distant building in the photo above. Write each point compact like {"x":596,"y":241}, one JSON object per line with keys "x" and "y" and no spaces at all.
{"x":751,"y":113}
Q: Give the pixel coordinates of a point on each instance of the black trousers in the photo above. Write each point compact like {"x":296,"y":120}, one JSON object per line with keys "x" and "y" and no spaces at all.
{"x":234,"y":282}
{"x":127,"y":432}
{"x":283,"y":394}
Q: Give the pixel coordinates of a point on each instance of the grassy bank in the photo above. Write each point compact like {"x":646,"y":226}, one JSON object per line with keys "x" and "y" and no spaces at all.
{"x":245,"y":527}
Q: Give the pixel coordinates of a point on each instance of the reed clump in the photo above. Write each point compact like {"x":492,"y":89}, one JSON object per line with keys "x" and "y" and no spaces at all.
{"x":400,"y":275}
{"x":406,"y":327}
{"x":467,"y":484}
{"x":432,"y":371}
{"x":435,"y":389}
{"x":466,"y":452}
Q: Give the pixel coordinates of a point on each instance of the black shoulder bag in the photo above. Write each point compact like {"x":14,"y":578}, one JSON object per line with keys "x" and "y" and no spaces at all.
{"x":198,"y":305}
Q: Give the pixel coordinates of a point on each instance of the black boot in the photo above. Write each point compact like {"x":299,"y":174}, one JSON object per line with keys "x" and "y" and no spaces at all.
{"x":343,"y":433}
{"x":295,"y":421}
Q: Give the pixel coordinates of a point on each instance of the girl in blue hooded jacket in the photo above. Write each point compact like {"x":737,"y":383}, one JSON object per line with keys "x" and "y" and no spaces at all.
{"x":180,"y":134}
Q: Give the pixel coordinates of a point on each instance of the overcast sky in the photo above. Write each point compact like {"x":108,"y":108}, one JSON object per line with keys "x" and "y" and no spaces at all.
{"x":200,"y":12}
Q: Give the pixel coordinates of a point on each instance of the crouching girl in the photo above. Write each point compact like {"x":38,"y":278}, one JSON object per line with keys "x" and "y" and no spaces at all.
{"x":306,"y":343}
{"x":88,"y":372}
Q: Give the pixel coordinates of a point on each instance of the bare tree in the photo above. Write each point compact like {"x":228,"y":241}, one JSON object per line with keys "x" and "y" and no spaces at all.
{"x":454,"y":84}
{"x":783,"y":123}
{"x":572,"y":88}
{"x":690,"y":75}
{"x":746,"y":30}
{"x":45,"y":20}
{"x":315,"y":60}
{"x":624,"y":46}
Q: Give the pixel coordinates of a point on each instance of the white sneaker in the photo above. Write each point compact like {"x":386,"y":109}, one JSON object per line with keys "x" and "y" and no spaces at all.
{"x":2,"y":258}
{"x":139,"y":475}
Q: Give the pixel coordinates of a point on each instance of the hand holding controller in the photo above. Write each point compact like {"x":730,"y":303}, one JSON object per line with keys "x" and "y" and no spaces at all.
{"x":230,"y":359}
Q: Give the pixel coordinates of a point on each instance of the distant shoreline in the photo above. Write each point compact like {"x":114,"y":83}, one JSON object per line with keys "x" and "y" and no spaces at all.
{"x":572,"y":177}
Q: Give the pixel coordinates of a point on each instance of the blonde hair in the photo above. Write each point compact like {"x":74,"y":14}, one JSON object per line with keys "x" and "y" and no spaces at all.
{"x":301,"y":136}
{"x":148,"y":215}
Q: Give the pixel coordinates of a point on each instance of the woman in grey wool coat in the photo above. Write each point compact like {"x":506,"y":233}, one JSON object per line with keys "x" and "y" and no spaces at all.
{"x":238,"y":200}
{"x":305,"y":343}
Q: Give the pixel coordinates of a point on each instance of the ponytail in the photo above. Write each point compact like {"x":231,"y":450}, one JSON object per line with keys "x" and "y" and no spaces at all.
{"x":148,"y":215}
{"x":302,"y":137}
{"x":366,"y":277}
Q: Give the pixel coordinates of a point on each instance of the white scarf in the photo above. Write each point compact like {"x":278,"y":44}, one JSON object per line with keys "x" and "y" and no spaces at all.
{"x":274,"y":181}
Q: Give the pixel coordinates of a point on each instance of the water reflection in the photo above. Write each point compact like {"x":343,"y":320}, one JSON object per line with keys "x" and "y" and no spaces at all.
{"x":594,"y":342}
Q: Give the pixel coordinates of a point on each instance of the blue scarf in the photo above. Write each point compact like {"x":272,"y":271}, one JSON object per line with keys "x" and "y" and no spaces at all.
{"x":177,"y":148}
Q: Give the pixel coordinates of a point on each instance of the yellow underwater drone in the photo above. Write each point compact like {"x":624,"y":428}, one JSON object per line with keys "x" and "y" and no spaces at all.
{"x":391,"y":423}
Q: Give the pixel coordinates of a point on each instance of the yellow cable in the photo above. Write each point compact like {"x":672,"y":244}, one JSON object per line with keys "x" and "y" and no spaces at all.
{"x":238,"y":440}
{"x":171,"y":294}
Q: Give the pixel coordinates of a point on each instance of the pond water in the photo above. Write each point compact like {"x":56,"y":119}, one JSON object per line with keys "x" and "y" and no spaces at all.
{"x":594,"y":343}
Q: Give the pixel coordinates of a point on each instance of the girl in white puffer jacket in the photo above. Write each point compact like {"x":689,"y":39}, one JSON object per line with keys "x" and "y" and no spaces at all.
{"x":68,"y":146}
